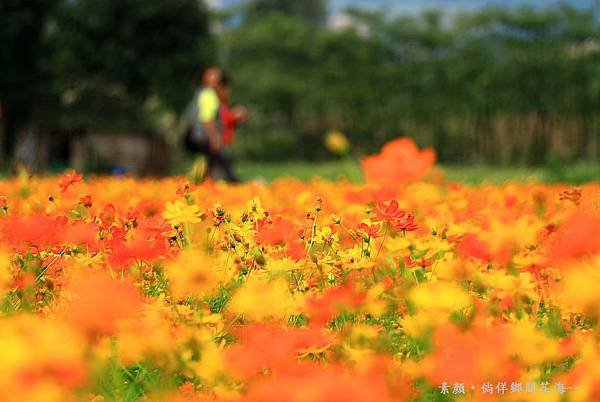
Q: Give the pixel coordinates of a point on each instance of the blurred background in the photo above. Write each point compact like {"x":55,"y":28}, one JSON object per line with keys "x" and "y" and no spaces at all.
{"x":103,"y":85}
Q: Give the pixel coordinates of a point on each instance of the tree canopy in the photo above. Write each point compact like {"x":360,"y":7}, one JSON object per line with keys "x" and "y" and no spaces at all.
{"x":495,"y":85}
{"x":83,"y":63}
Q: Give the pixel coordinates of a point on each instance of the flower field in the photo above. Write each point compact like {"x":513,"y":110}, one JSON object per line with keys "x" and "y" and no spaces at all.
{"x":406,"y":289}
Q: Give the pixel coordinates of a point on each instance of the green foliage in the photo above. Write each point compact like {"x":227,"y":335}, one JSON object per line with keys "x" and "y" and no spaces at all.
{"x":119,"y":383}
{"x":87,"y":64}
{"x":113,"y":56}
{"x":310,"y":11}
{"x":302,"y":90}
{"x":491,"y":86}
{"x":24,"y":75}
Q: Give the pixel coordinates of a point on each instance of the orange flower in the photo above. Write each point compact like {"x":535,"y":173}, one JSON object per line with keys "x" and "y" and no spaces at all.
{"x":472,"y":246}
{"x":388,"y":211}
{"x":30,"y":231}
{"x":86,"y":200}
{"x":69,"y":179}
{"x":333,"y":302}
{"x":275,"y":233}
{"x":316,"y":383}
{"x":272,"y":347}
{"x":578,"y":236}
{"x":372,"y":231}
{"x":124,"y":253}
{"x":473,"y":356}
{"x":400,"y":161}
{"x":295,"y":249}
{"x":99,"y":302}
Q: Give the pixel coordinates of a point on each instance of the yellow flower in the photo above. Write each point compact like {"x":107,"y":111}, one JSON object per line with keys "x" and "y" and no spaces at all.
{"x":354,"y":258}
{"x":580,"y":289}
{"x":192,"y":274}
{"x":5,"y":271}
{"x":281,"y":266}
{"x":178,"y":213}
{"x":198,"y":171}
{"x":419,"y":324}
{"x":154,"y":323}
{"x":212,"y":362}
{"x":260,"y":299}
{"x":327,"y":237}
{"x":531,"y":346}
{"x":513,"y":286}
{"x":439,"y":297}
{"x":337,"y":143}
{"x":433,"y":302}
{"x":374,"y":305}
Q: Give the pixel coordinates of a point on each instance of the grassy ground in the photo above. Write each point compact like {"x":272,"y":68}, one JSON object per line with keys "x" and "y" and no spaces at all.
{"x":269,"y":171}
{"x":303,"y":170}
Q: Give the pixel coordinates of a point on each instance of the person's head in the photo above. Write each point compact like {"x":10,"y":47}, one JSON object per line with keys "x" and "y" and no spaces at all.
{"x":211,"y":77}
{"x":224,"y":86}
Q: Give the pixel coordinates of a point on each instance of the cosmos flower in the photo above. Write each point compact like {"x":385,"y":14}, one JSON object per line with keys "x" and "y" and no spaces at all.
{"x":178,"y":213}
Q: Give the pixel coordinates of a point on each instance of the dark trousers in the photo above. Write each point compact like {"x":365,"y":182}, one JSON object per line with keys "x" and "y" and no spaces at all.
{"x":218,"y":159}
{"x":214,"y":159}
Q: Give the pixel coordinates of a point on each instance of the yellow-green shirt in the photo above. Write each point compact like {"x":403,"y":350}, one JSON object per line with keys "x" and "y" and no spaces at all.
{"x":208,"y":105}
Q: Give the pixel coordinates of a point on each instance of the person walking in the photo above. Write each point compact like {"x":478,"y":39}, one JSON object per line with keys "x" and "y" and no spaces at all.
{"x":231,"y":117}
{"x":205,"y":133}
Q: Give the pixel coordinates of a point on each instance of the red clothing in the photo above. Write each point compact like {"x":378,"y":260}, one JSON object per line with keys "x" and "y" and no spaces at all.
{"x":229,"y":122}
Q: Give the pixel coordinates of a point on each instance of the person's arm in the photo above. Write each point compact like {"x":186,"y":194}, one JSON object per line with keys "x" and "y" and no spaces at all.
{"x":240,"y":114}
{"x":213,"y":136}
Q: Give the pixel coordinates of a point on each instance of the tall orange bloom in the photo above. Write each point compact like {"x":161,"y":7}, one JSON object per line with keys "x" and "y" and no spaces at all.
{"x":400,"y":161}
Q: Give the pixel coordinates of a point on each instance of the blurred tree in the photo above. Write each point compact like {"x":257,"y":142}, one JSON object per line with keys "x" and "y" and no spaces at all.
{"x":297,"y":92}
{"x":310,"y":11}
{"x":495,"y":85}
{"x":24,"y":77}
{"x":83,"y":63}
{"x":112,"y":56}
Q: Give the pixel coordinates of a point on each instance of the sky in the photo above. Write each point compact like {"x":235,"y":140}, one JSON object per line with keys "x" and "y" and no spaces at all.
{"x":416,"y":6}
